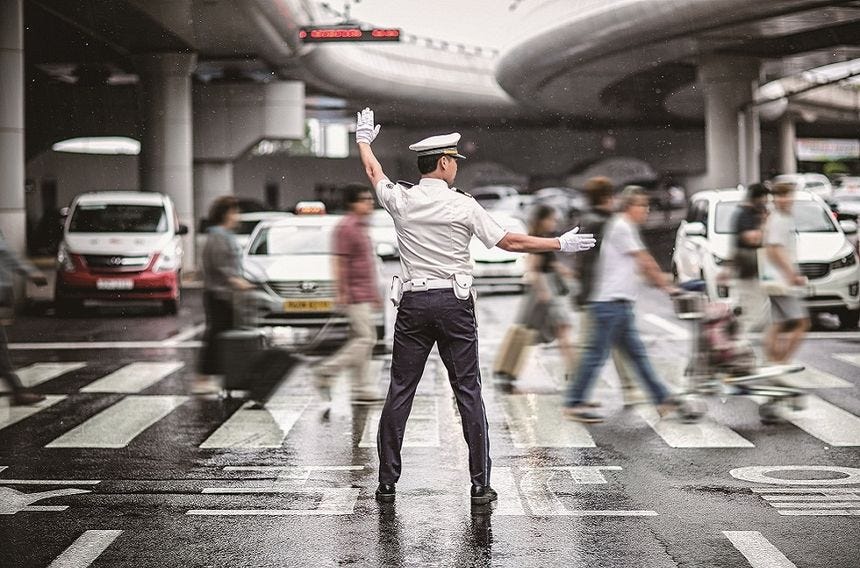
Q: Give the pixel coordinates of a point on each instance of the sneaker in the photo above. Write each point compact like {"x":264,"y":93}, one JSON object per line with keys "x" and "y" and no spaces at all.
{"x":385,"y":493}
{"x":668,"y":406}
{"x":483,"y":494}
{"x":581,"y":413}
{"x":25,"y":398}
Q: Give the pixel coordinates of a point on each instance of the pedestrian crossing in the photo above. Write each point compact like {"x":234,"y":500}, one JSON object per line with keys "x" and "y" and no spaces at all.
{"x":523,"y":420}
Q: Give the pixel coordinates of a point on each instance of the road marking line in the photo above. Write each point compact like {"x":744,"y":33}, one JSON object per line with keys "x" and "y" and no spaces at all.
{"x":85,"y":550}
{"x":675,"y":330}
{"x":852,"y":358}
{"x":825,"y":490}
{"x":134,"y":377}
{"x":703,"y":434}
{"x":819,"y":512}
{"x":758,"y":551}
{"x":11,"y":414}
{"x":264,"y":512}
{"x":185,"y":335}
{"x":527,"y":415}
{"x":792,"y":505}
{"x":422,"y":430}
{"x":812,"y":378}
{"x":78,"y":345}
{"x":841,"y":497}
{"x":49,"y":481}
{"x":39,"y":373}
{"x":509,"y":502}
{"x":825,"y":421}
{"x":267,"y":427}
{"x":118,"y":425}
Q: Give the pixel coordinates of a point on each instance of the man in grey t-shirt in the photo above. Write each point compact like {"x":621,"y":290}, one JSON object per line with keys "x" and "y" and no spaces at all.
{"x":780,"y":277}
{"x":623,"y":257}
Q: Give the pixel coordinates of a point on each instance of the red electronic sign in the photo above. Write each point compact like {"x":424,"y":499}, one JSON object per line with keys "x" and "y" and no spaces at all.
{"x":324,"y":34}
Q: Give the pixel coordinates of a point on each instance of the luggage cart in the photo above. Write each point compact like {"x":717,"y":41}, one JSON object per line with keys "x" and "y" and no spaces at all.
{"x":707,"y":376}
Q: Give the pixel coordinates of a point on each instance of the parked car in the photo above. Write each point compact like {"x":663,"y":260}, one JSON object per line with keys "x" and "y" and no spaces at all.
{"x":119,"y":246}
{"x":819,"y":184}
{"x":291,"y":260}
{"x":503,"y":198}
{"x":384,"y":235}
{"x":847,"y":183}
{"x":569,"y":202}
{"x":704,"y":242}
{"x":497,"y":267}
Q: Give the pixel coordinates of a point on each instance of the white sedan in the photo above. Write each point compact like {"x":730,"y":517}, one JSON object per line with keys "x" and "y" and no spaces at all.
{"x":291,"y":260}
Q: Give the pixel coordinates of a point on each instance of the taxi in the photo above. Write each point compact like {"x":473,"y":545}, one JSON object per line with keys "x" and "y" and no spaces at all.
{"x":291,"y":260}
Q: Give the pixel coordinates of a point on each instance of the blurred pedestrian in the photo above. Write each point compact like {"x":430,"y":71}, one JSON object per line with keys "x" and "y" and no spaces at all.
{"x":781,"y":279}
{"x":436,"y":305}
{"x":545,"y":310}
{"x":601,"y":197}
{"x":610,"y":307}
{"x":749,"y":232}
{"x":358,"y":294}
{"x":9,"y":265}
{"x":222,"y":276}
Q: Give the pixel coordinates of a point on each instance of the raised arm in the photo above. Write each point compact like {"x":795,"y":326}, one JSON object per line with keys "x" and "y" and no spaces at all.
{"x":365,"y":133}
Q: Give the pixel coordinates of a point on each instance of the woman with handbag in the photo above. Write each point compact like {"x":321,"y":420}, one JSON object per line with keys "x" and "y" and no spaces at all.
{"x":543,"y":313}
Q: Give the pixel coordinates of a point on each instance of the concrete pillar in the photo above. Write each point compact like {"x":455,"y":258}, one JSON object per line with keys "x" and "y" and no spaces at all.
{"x":732,"y":142}
{"x":787,"y":139}
{"x":211,"y":180}
{"x":12,"y":203}
{"x":166,"y":142}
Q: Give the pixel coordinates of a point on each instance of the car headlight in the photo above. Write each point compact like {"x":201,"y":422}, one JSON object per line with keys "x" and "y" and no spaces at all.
{"x":64,"y":259}
{"x":848,"y":260}
{"x":167,"y":261}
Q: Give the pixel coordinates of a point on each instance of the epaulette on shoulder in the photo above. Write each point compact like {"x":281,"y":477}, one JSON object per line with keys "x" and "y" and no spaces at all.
{"x":463,"y":192}
{"x":404,"y":183}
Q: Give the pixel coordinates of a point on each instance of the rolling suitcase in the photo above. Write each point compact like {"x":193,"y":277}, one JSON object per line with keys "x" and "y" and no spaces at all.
{"x":249,"y":363}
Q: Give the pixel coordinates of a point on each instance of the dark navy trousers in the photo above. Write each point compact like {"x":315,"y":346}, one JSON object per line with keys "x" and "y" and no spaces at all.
{"x":424,"y":319}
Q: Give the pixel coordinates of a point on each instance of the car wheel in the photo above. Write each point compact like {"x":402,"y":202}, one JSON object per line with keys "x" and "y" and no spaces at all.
{"x":848,"y":319}
{"x":171,"y":307}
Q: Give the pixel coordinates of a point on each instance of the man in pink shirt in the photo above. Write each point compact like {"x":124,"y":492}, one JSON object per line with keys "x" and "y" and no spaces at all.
{"x":358,"y":293}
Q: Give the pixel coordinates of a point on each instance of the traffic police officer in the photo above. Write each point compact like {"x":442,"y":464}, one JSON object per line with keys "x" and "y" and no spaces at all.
{"x":434,"y":224}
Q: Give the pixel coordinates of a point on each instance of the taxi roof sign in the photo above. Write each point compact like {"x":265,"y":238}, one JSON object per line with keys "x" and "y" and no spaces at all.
{"x":310,"y":208}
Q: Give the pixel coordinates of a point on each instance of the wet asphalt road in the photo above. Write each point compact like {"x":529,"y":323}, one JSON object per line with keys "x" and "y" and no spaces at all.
{"x":139,"y":472}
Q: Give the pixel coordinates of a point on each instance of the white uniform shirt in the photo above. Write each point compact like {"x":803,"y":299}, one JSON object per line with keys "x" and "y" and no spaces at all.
{"x":434,"y":227}
{"x":617,"y":276}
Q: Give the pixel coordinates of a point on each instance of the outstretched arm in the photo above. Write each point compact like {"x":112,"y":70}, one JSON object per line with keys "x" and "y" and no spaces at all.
{"x":366,"y":131}
{"x":570,"y":241}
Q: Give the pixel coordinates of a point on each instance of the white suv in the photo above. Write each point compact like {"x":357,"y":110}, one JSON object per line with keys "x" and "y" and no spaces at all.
{"x":705,"y":241}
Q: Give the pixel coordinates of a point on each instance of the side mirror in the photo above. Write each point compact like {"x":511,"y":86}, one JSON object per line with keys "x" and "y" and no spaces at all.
{"x":848,"y":227}
{"x":695,"y":229}
{"x":182,"y":230}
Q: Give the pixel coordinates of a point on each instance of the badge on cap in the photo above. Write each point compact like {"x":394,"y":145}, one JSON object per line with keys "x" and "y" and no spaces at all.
{"x":442,"y":144}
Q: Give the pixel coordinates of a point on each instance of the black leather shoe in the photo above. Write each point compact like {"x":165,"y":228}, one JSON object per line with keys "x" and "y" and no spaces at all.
{"x":483,"y":494}
{"x":385,"y":493}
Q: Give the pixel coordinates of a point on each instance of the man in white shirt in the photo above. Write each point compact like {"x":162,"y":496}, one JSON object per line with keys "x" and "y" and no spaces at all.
{"x":434,"y":224}
{"x":780,"y":277}
{"x":622,"y":258}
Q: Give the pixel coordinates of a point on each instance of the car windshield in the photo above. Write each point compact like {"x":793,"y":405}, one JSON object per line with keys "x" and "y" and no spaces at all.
{"x":310,"y":239}
{"x":246,"y":227}
{"x":118,"y":218}
{"x":809,"y":216}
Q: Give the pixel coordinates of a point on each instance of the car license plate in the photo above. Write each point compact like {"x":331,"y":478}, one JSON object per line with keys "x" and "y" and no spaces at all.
{"x":308,"y":306}
{"x":115,"y":284}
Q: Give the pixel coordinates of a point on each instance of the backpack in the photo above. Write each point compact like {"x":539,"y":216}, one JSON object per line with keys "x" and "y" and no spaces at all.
{"x":586,"y":261}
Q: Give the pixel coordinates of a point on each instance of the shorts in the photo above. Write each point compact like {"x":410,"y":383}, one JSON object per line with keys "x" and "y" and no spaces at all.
{"x":787,"y":308}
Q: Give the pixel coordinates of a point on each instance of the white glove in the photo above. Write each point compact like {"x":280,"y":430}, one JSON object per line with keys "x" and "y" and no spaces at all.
{"x":365,"y":130}
{"x":572,"y":241}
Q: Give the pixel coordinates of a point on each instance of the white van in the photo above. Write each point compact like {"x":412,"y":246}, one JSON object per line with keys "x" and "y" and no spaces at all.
{"x":119,"y":246}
